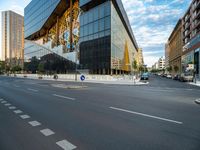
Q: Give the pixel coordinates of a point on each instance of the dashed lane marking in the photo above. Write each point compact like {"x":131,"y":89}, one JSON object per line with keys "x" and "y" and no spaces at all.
{"x":65,"y":97}
{"x":66,"y":145}
{"x":25,"y":116}
{"x":17,"y":111}
{"x":16,"y":86}
{"x":3,"y":102}
{"x":34,"y":123}
{"x":47,"y":132}
{"x":8,"y":104}
{"x":146,"y":115}
{"x":32,"y":90}
{"x":12,"y":107}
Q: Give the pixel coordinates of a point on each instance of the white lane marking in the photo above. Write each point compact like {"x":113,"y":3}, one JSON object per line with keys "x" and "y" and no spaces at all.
{"x":159,"y":90}
{"x":47,"y":132}
{"x":17,"y":86}
{"x":34,"y":123}
{"x":3,"y":102}
{"x":197,"y":101}
{"x":32,"y":90}
{"x":60,"y":96}
{"x":17,"y":111}
{"x":42,"y":85}
{"x":66,"y":145}
{"x":12,"y":107}
{"x":8,"y":104}
{"x":1,"y":99}
{"x":146,"y":115}
{"x":189,"y":89}
{"x":25,"y":116}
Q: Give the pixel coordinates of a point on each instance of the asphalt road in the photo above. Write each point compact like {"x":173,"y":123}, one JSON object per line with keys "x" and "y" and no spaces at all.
{"x":36,"y":115}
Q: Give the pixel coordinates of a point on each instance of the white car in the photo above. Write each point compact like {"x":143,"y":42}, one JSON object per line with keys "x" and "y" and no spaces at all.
{"x":169,"y":76}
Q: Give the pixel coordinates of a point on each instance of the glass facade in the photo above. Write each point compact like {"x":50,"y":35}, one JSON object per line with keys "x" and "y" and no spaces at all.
{"x":83,"y":2}
{"x":188,"y":63}
{"x":51,"y":62}
{"x":106,"y":46}
{"x":37,"y":13}
{"x":95,"y":30}
{"x":95,"y":23}
{"x":99,"y":31}
{"x":122,"y":48}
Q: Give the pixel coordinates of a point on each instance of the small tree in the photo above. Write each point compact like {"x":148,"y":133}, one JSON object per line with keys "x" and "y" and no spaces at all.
{"x":176,"y":69}
{"x":2,"y":67}
{"x":169,"y":69}
{"x":41,"y":68}
{"x":141,"y":68}
{"x":135,"y":66}
{"x":7,"y":68}
{"x":16,"y":69}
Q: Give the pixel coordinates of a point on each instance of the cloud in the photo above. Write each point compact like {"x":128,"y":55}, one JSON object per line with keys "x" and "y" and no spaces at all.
{"x":152,"y":22}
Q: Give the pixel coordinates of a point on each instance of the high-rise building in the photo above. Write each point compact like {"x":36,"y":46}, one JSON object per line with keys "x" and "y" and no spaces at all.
{"x":191,"y":38}
{"x":95,"y":34}
{"x":12,"y":38}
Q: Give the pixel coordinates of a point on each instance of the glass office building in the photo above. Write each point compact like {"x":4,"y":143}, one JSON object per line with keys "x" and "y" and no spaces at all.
{"x":52,"y":29}
{"x":107,"y":44}
{"x":95,"y":34}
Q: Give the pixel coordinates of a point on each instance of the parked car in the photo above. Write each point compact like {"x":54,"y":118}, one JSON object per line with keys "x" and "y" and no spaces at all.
{"x":186,"y":78}
{"x":169,"y":76}
{"x":176,"y":77}
{"x":144,"y":76}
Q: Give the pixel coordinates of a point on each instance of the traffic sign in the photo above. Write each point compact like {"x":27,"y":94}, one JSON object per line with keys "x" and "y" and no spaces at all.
{"x":82,"y":77}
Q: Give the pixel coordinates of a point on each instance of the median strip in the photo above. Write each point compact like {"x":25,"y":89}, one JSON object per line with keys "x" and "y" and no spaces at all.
{"x":146,"y":115}
{"x":65,"y":97}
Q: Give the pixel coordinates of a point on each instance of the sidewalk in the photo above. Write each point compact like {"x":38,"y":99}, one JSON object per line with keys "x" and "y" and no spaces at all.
{"x":109,"y":80}
{"x":196,"y":84}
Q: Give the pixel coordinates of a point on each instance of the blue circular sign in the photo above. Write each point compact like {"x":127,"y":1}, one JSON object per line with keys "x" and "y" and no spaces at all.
{"x":82,"y":77}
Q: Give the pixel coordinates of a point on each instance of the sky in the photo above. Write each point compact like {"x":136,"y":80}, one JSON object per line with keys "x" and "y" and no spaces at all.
{"x":152,"y":22}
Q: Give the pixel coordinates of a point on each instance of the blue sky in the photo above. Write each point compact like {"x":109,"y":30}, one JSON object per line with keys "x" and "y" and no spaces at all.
{"x":152,"y":21}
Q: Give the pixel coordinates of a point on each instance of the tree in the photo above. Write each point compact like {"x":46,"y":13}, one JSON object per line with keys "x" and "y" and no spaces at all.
{"x":134,"y":65}
{"x":141,"y":68}
{"x":32,"y":65}
{"x":176,"y":69}
{"x":7,"y":68}
{"x":16,"y":69}
{"x":169,"y":69}
{"x":2,"y":67}
{"x":41,"y":69}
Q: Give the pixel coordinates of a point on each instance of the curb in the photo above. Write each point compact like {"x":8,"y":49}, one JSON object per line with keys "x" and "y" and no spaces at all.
{"x":197,"y":101}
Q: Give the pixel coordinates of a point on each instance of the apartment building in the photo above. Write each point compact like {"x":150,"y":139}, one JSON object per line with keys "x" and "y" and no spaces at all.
{"x":191,"y":37}
{"x":175,"y":46}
